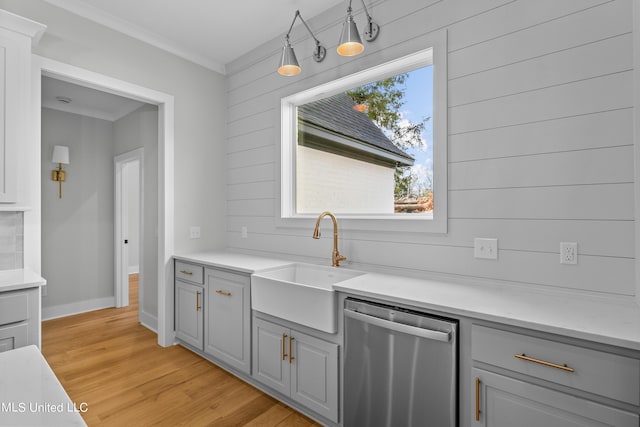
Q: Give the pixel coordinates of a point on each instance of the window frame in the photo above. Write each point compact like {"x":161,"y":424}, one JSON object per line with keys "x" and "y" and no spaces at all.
{"x":436,"y":56}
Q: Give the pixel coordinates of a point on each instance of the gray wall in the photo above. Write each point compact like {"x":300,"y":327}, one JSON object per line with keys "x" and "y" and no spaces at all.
{"x":540,"y":141}
{"x":77,"y":230}
{"x":199,"y":108}
{"x":140,"y":130}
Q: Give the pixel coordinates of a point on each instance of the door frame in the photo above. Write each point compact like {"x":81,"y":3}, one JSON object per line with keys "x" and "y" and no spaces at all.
{"x":121,"y":222}
{"x":165,"y":102}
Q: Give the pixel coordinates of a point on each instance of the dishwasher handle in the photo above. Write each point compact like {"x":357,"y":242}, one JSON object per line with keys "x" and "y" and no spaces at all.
{"x":399,"y":327}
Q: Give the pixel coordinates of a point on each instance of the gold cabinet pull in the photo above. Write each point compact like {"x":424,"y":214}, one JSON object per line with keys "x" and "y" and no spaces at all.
{"x":284,"y":351}
{"x":291,"y":358}
{"x":225,"y":293}
{"x":543,"y":362}
{"x":477,"y":399}
{"x":198,"y":301}
{"x":188,"y":273}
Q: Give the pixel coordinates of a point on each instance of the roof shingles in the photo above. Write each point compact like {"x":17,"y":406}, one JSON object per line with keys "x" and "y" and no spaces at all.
{"x":336,"y":114}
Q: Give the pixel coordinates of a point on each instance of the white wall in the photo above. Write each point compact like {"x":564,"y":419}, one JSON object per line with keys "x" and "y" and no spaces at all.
{"x":199,"y":108}
{"x":540,"y":140}
{"x":327,"y":181}
{"x":77,"y":230}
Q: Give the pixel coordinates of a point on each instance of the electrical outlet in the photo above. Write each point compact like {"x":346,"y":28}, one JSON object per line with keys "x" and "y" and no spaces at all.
{"x":485,"y":248}
{"x":568,"y":253}
{"x":244,"y":231}
{"x":194,"y":232}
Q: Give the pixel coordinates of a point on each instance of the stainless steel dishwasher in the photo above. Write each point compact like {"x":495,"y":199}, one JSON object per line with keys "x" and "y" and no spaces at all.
{"x":400,"y":369}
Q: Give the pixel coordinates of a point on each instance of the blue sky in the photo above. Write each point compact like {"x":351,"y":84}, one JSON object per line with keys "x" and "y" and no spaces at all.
{"x":419,"y":104}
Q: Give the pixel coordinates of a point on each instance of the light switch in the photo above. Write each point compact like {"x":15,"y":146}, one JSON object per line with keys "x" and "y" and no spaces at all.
{"x":485,"y":248}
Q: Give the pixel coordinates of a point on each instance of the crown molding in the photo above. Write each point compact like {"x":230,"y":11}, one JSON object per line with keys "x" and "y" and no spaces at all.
{"x":32,"y":29}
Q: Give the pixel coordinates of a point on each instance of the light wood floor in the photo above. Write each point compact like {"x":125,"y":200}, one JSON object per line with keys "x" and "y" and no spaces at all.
{"x":109,"y":361}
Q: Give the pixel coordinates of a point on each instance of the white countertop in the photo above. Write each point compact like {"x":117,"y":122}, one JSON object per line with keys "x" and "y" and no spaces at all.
{"x":612,"y":321}
{"x":233,"y":261}
{"x":11,"y":280}
{"x":30,"y":393}
{"x":604,"y":320}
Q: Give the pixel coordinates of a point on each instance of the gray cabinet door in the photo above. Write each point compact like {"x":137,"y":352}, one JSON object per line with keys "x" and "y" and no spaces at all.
{"x":271,"y":355}
{"x":14,"y":336}
{"x":228,"y":318}
{"x":507,"y":402}
{"x":314,"y":374}
{"x":189,"y":317}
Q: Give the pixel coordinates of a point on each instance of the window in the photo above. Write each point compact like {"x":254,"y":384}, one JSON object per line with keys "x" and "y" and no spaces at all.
{"x":370,"y":147}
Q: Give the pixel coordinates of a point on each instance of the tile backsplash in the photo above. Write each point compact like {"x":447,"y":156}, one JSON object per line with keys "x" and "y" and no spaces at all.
{"x":11,"y":240}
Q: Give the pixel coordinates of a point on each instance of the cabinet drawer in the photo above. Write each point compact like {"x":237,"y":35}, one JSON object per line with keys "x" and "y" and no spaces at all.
{"x":14,"y":336}
{"x":605,"y":374}
{"x":14,"y":307}
{"x":190,"y":272}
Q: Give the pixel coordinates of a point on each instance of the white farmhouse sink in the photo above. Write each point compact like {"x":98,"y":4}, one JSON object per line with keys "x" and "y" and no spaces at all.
{"x":300,"y":293}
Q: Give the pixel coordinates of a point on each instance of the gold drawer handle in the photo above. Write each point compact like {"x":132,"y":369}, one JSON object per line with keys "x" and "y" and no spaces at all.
{"x":198,"y":306}
{"x":225,"y":293}
{"x":477,"y":399}
{"x":189,"y":273}
{"x":291,"y":358}
{"x":543,"y":362}
{"x":284,"y":352}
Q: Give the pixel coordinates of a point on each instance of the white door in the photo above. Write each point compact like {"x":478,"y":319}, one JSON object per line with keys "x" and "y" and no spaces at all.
{"x":128,"y":227}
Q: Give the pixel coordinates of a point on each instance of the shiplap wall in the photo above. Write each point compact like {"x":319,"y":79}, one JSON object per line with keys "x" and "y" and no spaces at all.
{"x":540,"y":140}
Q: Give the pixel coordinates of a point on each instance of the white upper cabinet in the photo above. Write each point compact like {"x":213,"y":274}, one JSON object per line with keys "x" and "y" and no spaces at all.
{"x":16,"y":37}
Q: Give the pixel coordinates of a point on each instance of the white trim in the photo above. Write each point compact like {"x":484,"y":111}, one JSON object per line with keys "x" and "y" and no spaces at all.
{"x":148,"y":321}
{"x":110,"y":21}
{"x":435,"y":55}
{"x":165,"y":103}
{"x":19,"y":24}
{"x":133,"y":269}
{"x":31,"y":188}
{"x":636,"y":139}
{"x":64,"y":310}
{"x":11,"y":208}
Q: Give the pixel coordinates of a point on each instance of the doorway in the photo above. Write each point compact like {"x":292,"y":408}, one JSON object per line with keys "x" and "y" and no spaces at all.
{"x":165,"y":183}
{"x":129,"y":226}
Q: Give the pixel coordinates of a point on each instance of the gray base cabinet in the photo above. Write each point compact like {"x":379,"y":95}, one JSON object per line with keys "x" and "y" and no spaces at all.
{"x":507,"y":402}
{"x":228,"y":317}
{"x":189,"y":314}
{"x":297,"y":365}
{"x":19,"y":318}
{"x":527,"y":381}
{"x":213,"y":313}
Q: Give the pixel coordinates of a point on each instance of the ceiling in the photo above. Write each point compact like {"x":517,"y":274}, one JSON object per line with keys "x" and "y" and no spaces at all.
{"x":199,"y":30}
{"x":85,"y":101}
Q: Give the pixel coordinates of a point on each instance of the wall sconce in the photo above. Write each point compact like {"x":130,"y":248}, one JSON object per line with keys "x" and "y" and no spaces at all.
{"x":60,"y":156}
{"x":288,"y":63}
{"x":350,"y":42}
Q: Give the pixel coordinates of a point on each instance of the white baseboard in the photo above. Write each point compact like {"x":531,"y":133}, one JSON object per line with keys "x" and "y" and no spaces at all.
{"x":133,"y":269}
{"x":149,"y":321}
{"x":63,"y":310}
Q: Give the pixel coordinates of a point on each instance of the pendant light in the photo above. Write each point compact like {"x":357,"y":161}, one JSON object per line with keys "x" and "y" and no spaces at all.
{"x":289,"y":65}
{"x":350,"y":41}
